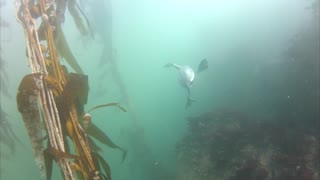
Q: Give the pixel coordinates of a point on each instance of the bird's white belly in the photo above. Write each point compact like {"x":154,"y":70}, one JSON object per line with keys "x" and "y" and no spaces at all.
{"x":186,"y":75}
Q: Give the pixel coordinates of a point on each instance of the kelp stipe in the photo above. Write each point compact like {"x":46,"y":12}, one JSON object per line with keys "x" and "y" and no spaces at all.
{"x":52,"y":96}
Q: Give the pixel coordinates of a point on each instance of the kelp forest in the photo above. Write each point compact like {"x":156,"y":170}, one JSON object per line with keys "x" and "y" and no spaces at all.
{"x":87,"y":92}
{"x":51,"y":99}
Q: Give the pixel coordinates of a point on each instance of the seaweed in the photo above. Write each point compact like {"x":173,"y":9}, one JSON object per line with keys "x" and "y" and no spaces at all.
{"x":109,"y":104}
{"x":72,"y":4}
{"x":3,"y":77}
{"x":51,"y":154}
{"x":8,"y":136}
{"x":93,"y":145}
{"x":98,"y":134}
{"x":65,"y":52}
{"x":104,"y":165}
{"x":27,"y":101}
{"x":75,"y":92}
{"x":54,"y":97}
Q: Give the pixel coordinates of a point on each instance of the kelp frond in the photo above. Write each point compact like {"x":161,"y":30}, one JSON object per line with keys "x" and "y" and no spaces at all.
{"x":102,"y":137}
{"x":8,"y":136}
{"x":52,"y":96}
{"x":65,"y":52}
{"x":4,"y":80}
{"x":97,"y":133}
{"x":109,"y":104}
{"x":27,"y":100}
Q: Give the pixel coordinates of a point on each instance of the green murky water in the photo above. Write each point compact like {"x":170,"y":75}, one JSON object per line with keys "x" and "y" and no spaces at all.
{"x":255,"y":66}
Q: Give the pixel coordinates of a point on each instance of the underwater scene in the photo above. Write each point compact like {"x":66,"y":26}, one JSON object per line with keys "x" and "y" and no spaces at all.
{"x":160,"y":90}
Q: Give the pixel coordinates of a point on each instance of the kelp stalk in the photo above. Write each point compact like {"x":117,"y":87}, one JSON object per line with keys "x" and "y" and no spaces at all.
{"x":59,"y":95}
{"x":46,"y":101}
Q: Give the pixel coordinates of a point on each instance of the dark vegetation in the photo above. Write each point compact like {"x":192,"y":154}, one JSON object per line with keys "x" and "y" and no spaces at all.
{"x":227,"y":144}
{"x":62,"y":131}
{"x":8,"y":137}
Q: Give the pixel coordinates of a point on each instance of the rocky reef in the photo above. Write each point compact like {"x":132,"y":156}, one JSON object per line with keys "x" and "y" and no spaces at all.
{"x":231,"y":145}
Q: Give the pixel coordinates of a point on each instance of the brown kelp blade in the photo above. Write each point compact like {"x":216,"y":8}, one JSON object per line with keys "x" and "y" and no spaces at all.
{"x":97,"y":164}
{"x":27,"y":102}
{"x":48,"y":159}
{"x":104,"y":165}
{"x":75,"y":92}
{"x":76,"y":17}
{"x":78,"y":84}
{"x":105,"y":177}
{"x":93,"y":145}
{"x":86,"y":19}
{"x":57,"y":154}
{"x":50,"y":154}
{"x":98,"y":134}
{"x":65,"y":52}
{"x":109,"y":104}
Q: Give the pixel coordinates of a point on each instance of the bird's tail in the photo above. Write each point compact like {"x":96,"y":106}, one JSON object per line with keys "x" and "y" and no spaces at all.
{"x":189,"y":101}
{"x":203,"y":65}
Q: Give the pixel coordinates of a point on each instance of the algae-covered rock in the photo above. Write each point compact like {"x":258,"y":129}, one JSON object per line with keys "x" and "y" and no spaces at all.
{"x":231,"y":145}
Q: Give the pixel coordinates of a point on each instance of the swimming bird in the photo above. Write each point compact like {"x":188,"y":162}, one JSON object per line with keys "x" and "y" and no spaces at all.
{"x":187,"y":76}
